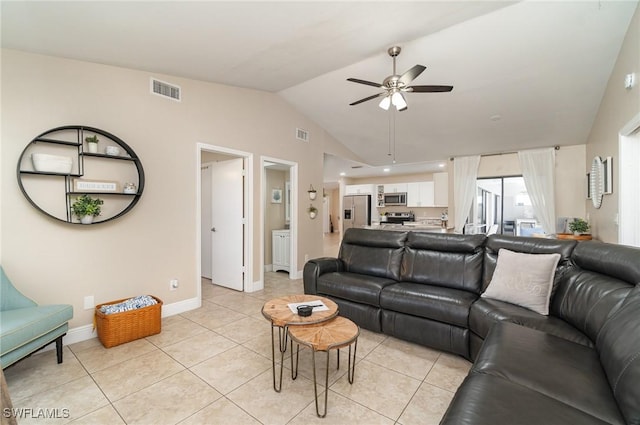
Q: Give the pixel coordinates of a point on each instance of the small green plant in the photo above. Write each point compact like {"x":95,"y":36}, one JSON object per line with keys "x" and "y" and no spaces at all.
{"x":91,"y":139}
{"x":312,"y":209}
{"x":86,"y":205}
{"x":579,"y":226}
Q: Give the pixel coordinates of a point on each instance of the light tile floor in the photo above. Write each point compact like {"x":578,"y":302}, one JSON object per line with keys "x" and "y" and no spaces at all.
{"x":213,"y":366}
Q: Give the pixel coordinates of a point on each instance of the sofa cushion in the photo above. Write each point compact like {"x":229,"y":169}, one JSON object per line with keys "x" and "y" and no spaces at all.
{"x":523,"y":279}
{"x":593,"y":289}
{"x":491,"y":400}
{"x":555,"y":367}
{"x":586,"y":299}
{"x":432,"y":302}
{"x":528,"y":246}
{"x":354,"y":287}
{"x":22,"y":325}
{"x":450,"y":260}
{"x":618,"y":261}
{"x":486,"y":312}
{"x":619,"y":346}
{"x":375,"y":253}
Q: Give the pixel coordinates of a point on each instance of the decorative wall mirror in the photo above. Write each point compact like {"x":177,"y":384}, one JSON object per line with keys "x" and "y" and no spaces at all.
{"x":596,"y":183}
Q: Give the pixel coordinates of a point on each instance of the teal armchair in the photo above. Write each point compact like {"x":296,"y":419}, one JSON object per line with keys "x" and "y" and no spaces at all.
{"x":26,"y":327}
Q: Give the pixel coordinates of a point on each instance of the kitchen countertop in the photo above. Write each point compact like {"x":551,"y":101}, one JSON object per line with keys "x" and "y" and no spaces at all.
{"x":408,"y":226}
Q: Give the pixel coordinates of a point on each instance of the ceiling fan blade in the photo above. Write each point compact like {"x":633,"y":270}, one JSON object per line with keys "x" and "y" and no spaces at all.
{"x":411,"y":74}
{"x":368,"y":83}
{"x":368,"y":98}
{"x":428,"y":89}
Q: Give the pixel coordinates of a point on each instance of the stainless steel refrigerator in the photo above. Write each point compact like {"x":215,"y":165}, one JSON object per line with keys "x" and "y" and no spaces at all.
{"x":357,"y":211}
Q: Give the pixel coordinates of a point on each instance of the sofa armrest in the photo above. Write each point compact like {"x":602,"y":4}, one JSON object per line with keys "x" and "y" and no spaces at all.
{"x":316,"y":267}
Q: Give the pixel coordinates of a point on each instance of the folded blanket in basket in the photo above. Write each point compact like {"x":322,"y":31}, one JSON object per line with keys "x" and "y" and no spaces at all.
{"x":130,"y":304}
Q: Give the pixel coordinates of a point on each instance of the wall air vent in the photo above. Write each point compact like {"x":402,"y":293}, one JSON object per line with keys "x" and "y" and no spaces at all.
{"x":164,"y":89}
{"x":302,"y":135}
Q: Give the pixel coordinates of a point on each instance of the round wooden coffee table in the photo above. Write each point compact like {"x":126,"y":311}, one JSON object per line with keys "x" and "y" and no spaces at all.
{"x":326,"y":336}
{"x":278,"y":312}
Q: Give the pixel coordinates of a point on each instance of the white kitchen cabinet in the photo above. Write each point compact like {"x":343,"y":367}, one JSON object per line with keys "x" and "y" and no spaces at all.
{"x":280,"y":252}
{"x":359,"y":189}
{"x":395,"y":187}
{"x":441,"y":189}
{"x":420,"y":194}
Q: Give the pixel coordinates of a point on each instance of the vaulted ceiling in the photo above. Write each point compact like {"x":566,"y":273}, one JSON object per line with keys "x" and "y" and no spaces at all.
{"x":525,"y":74}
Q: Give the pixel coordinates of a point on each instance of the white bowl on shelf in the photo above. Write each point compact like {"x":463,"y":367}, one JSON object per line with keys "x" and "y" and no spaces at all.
{"x":46,"y":163}
{"x":112,"y":150}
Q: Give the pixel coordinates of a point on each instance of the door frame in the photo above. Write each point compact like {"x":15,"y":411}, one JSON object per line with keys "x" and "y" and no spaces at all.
{"x":293,"y":220}
{"x":206,"y":165}
{"x":248,"y":213}
{"x":625,"y":141}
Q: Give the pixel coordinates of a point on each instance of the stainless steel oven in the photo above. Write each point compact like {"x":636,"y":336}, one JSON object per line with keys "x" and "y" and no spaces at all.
{"x":398,"y":198}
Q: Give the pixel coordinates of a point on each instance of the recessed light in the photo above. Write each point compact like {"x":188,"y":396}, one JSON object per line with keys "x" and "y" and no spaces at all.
{"x":386,"y":170}
{"x":343,"y":173}
{"x":441,"y":165}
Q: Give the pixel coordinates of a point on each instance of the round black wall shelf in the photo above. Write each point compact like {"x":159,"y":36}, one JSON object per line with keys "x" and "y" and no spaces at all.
{"x":63,"y":169}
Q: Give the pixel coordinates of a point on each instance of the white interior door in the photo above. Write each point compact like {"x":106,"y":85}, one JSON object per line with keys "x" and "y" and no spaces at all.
{"x":205,"y":214}
{"x":227,"y":227}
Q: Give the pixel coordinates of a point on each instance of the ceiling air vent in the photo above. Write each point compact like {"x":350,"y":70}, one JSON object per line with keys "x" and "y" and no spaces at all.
{"x":164,"y":89}
{"x":302,"y":135}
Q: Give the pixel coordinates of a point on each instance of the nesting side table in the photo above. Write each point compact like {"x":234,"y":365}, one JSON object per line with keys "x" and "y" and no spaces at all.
{"x":326,"y":336}
{"x":277,"y":311}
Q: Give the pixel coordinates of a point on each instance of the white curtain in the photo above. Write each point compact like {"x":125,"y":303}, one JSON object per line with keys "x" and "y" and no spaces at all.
{"x":538,"y":171}
{"x":465,"y":173}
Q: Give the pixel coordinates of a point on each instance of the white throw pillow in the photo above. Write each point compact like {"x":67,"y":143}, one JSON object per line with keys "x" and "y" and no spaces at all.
{"x":523,"y":279}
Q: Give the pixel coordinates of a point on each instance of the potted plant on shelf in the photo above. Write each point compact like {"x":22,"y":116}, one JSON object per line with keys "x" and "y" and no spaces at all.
{"x":92,"y":143}
{"x":579,"y":226}
{"x":85,"y":208}
{"x":313,"y":211}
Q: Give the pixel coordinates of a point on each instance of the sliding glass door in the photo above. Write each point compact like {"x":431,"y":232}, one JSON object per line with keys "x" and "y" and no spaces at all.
{"x":502,"y":206}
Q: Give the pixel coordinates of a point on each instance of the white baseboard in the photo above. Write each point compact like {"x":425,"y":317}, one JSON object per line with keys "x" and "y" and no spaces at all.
{"x":268,"y":267}
{"x":85,"y":332}
{"x":296,"y":274}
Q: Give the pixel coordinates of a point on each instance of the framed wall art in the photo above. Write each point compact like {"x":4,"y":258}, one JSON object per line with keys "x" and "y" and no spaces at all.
{"x":276,"y":196}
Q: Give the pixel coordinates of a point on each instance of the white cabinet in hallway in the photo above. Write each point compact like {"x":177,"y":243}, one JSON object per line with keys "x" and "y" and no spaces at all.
{"x":281,"y":250}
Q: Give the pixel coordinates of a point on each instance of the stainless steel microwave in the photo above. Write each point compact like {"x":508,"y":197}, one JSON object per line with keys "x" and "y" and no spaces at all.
{"x":398,"y":198}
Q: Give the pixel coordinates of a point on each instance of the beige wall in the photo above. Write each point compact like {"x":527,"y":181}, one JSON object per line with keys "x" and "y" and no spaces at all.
{"x":54,"y":262}
{"x":617,"y":108}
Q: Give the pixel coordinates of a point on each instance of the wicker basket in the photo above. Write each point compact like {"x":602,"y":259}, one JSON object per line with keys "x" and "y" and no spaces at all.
{"x":118,"y":328}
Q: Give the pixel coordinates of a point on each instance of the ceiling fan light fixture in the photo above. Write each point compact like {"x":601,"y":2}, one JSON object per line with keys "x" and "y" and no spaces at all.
{"x":398,"y":101}
{"x":385,"y":103}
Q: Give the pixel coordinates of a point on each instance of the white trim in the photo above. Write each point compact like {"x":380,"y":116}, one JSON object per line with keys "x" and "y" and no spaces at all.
{"x":293,"y":222}
{"x":248,"y":201}
{"x":631,"y":126}
{"x":628,"y":203}
{"x":258,"y":285}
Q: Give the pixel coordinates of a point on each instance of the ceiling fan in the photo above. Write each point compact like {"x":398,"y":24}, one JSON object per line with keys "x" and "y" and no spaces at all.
{"x":395,"y":85}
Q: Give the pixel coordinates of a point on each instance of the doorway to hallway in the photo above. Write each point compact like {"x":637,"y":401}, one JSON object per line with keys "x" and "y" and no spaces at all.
{"x":224,"y":219}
